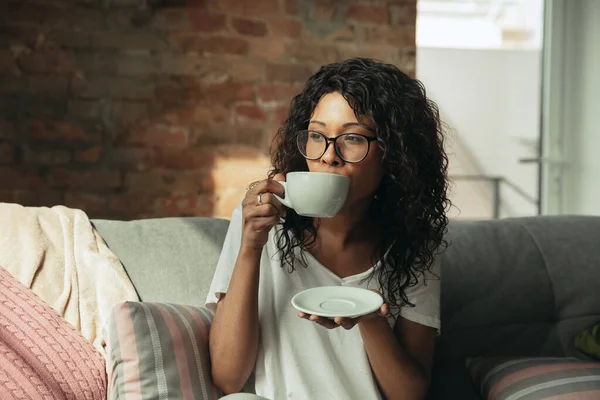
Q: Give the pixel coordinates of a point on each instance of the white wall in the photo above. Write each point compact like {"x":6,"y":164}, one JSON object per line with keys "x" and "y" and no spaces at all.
{"x":490,"y":99}
{"x":582,"y":107}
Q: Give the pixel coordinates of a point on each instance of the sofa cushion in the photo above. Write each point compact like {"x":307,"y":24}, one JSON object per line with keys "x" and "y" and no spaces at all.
{"x":588,"y":341}
{"x":515,"y":287}
{"x":502,"y":378}
{"x":41,"y":355}
{"x":159,"y":351}
{"x":169,"y":260}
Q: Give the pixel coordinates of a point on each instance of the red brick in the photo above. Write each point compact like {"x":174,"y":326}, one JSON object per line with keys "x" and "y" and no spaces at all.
{"x":398,"y":36}
{"x":96,"y":179}
{"x":8,"y":63}
{"x":119,"y":40}
{"x":69,"y":38}
{"x":246,"y":70}
{"x":249,"y":27}
{"x":186,"y":205}
{"x":64,"y":130}
{"x":346,"y":33}
{"x":8,"y":196}
{"x":55,"y":62}
{"x":270,"y":49}
{"x":33,"y":197}
{"x":281,"y":114}
{"x":131,"y":159}
{"x":200,"y":114}
{"x":213,"y":135}
{"x":404,"y":14}
{"x":157,"y":135}
{"x":25,"y":13}
{"x":42,"y":156}
{"x":137,"y":66}
{"x":225,"y":45}
{"x":7,"y":130}
{"x":97,"y":62}
{"x":250,"y":134}
{"x":85,"y":109}
{"x":91,"y":155}
{"x":44,"y":108}
{"x":369,"y":13}
{"x":81,"y":18}
{"x":48,"y":86}
{"x":278,"y":93}
{"x":251,"y":112}
{"x":185,"y":64}
{"x":324,"y":10}
{"x":191,"y":158}
{"x":202,"y":21}
{"x":250,"y":7}
{"x":227,"y":93}
{"x":117,"y":88}
{"x":20,"y":178}
{"x":87,"y":202}
{"x":292,"y":7}
{"x":130,"y":113}
{"x":289,"y":73}
{"x":186,"y":42}
{"x":172,"y":19}
{"x":236,"y":156}
{"x":286,"y":27}
{"x":7,"y":153}
{"x":13,"y":85}
{"x":131,"y":203}
{"x":163,"y":182}
{"x":215,"y":69}
{"x":313,"y":52}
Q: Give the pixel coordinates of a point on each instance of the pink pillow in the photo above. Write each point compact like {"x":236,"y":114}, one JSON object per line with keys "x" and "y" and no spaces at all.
{"x":41,"y":355}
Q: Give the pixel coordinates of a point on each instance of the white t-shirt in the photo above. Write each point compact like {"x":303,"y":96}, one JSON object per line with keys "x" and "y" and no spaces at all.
{"x":299,"y":359}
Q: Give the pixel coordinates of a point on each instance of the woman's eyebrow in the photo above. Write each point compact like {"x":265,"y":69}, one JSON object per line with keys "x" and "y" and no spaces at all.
{"x":346,"y":125}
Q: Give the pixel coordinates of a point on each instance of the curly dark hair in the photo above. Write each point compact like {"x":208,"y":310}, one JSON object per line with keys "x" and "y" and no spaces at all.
{"x":411,"y":201}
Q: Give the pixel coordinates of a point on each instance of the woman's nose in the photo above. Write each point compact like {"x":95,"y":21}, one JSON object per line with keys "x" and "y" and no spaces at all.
{"x":330,"y":157}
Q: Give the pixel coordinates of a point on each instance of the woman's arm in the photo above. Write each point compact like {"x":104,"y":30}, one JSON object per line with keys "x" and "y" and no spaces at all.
{"x":233,"y":336}
{"x":400,"y":358}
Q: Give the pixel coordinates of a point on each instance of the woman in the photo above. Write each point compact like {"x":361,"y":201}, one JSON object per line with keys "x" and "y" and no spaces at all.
{"x":385,"y":238}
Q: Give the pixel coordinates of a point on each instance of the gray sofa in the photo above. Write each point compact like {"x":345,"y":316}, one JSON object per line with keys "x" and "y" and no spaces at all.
{"x":515,"y":287}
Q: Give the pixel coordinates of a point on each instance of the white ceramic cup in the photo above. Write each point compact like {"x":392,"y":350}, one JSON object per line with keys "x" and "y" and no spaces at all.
{"x":315,"y":194}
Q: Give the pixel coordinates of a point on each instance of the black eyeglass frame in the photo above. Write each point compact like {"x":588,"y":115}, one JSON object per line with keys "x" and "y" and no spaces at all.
{"x":369,"y":139}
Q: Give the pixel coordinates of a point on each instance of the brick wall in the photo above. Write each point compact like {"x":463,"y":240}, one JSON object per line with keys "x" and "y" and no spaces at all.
{"x":129,"y":109}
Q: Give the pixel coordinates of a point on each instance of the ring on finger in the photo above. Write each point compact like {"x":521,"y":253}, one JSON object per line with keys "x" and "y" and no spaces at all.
{"x":250,"y":186}
{"x":260,"y":199}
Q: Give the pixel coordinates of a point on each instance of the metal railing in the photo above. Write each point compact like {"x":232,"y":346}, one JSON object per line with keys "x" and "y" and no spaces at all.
{"x":497,"y":182}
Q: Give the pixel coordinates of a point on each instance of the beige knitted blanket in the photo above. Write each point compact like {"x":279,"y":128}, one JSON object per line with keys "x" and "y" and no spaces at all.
{"x":59,"y":255}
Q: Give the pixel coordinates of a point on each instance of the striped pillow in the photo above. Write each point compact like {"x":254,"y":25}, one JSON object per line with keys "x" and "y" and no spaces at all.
{"x":159,"y":351}
{"x":41,"y":355}
{"x":503,"y":378}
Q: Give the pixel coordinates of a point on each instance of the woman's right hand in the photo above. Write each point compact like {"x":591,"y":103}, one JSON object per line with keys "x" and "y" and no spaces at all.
{"x":259,"y":217}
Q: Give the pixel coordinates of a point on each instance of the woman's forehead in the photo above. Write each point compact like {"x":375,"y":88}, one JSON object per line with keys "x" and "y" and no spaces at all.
{"x":334,"y":109}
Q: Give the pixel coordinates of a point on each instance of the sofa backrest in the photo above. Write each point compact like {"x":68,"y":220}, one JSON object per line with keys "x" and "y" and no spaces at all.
{"x":520,"y":287}
{"x":167,"y":259}
{"x":513,"y":285}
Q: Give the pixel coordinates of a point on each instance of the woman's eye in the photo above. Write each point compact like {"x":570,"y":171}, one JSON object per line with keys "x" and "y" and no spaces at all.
{"x":353,"y":139}
{"x":315,"y":136}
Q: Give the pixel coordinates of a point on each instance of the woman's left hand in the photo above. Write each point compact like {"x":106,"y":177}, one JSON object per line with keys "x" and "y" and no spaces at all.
{"x":346,"y":323}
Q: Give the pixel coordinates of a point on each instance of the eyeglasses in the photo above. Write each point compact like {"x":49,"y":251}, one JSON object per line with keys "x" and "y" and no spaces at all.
{"x":350,"y":147}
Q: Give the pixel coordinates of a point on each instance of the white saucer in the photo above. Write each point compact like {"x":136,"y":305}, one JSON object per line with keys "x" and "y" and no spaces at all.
{"x":337,"y":301}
